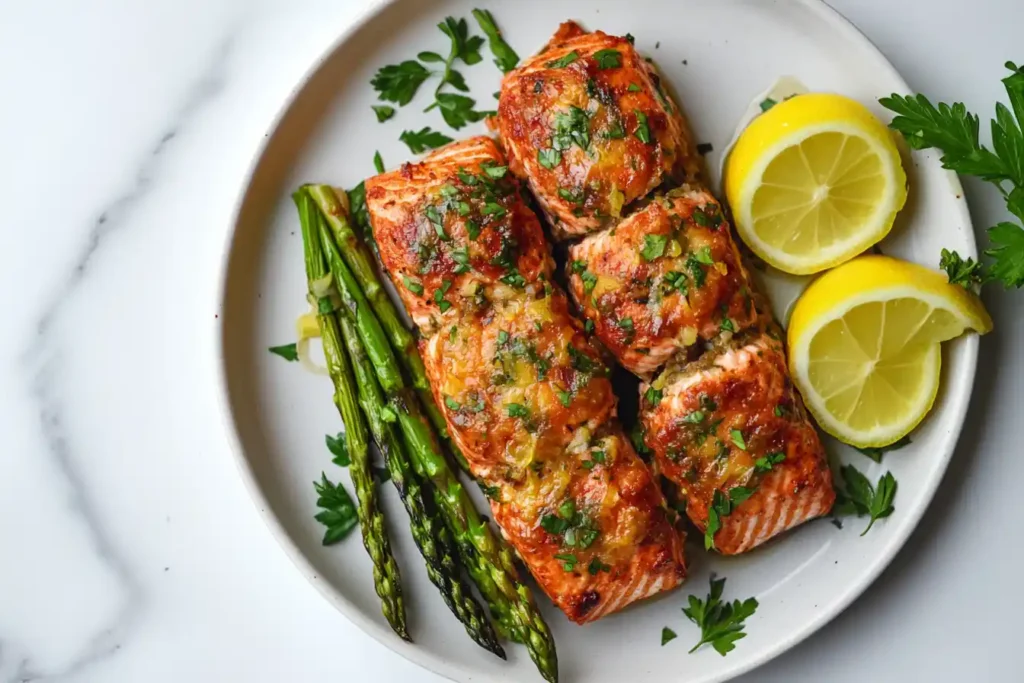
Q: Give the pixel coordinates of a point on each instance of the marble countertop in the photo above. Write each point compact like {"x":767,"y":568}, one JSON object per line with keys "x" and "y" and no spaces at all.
{"x":131,"y":550}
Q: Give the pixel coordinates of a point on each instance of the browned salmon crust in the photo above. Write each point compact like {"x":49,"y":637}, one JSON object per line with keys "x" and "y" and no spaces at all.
{"x":524,"y":392}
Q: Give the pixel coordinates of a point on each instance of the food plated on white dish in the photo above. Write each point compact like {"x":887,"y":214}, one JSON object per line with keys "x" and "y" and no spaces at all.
{"x":552,"y":342}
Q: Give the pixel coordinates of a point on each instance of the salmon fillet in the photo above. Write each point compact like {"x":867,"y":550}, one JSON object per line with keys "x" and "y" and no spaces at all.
{"x":665,"y":278}
{"x":456,"y":232}
{"x":732,"y":427}
{"x":588,"y":123}
{"x":524,"y":392}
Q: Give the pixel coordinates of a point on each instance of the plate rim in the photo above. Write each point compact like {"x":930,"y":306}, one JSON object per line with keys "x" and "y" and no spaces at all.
{"x":423,"y":657}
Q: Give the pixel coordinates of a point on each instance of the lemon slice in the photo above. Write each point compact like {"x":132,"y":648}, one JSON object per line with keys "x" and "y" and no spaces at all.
{"x":864,"y":345}
{"x":813,"y":182}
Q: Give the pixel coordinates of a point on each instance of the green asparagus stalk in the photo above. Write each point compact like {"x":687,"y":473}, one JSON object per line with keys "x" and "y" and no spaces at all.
{"x":386,"y":578}
{"x":488,"y":559}
{"x":359,"y":259}
{"x":428,"y":528}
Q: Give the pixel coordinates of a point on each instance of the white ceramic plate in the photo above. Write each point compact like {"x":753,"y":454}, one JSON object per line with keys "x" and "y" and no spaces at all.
{"x":718,"y":54}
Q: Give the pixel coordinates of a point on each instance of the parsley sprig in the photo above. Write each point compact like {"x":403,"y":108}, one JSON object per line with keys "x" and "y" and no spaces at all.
{"x":504,"y":56}
{"x":337,"y":511}
{"x":721,"y":623}
{"x":858,"y":497}
{"x":399,"y":83}
{"x":955,"y":131}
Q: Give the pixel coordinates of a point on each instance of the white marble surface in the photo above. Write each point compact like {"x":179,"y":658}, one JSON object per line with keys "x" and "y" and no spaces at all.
{"x":130,"y":549}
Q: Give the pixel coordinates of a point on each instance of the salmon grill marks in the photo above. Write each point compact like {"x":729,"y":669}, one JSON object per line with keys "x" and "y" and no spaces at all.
{"x":524,"y":392}
{"x":456,"y":231}
{"x":665,"y":278}
{"x":589,"y":124}
{"x":731,"y":426}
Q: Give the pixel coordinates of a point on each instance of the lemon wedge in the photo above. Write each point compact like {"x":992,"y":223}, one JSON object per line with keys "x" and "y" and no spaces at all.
{"x":813,"y":182}
{"x":864,"y":345}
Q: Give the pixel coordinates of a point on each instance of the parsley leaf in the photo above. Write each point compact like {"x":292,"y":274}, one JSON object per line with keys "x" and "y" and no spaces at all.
{"x":518,"y":410}
{"x":457,"y":110}
{"x":767,"y":462}
{"x":383,"y":112}
{"x":337,"y":446}
{"x":549,"y":158}
{"x":653,"y":396}
{"x":857,"y":495}
{"x":563,"y":61}
{"x":960,"y":271}
{"x":398,"y":83}
{"x":504,"y":56}
{"x":414,"y":286}
{"x":288,"y":351}
{"x":608,"y":59}
{"x":654,"y":246}
{"x":955,"y":131}
{"x":667,"y":635}
{"x":464,"y":46}
{"x":338,"y":512}
{"x":721,"y":623}
{"x":642,"y":132}
{"x":877,"y":453}
{"x":423,"y":139}
{"x":378,"y":162}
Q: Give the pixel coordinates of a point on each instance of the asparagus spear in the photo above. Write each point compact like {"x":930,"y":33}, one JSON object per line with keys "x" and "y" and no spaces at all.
{"x":386,"y":578}
{"x":358,"y":258}
{"x":488,"y":559}
{"x":428,"y":529}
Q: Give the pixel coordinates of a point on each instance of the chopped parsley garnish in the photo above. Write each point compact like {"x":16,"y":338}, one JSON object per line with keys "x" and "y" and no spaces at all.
{"x":608,"y":59}
{"x":494,"y":209}
{"x":502,"y":336}
{"x":589,"y":281}
{"x":653,"y":396}
{"x":383,"y":112}
{"x":378,"y":162}
{"x":571,"y":126}
{"x":700,"y":218}
{"x":581,"y":362}
{"x":615,"y":131}
{"x":767,"y":462}
{"x":676,"y":280}
{"x":695,"y":417}
{"x":721,"y":623}
{"x":439,"y":295}
{"x":473,"y":228}
{"x":337,"y":511}
{"x":626,"y":324}
{"x":697,"y":271}
{"x":414,"y":286}
{"x":708,"y":403}
{"x":703,"y":255}
{"x":575,"y":195}
{"x":642,"y":132}
{"x":568,"y":561}
{"x":727,"y":325}
{"x":633,"y":87}
{"x":564,"y":397}
{"x":461,"y":258}
{"x":654,"y":246}
{"x":780,"y":410}
{"x":423,"y":139}
{"x":287,"y":351}
{"x":451,"y":403}
{"x":518,"y":410}
{"x":514,"y":279}
{"x":721,"y":506}
{"x":549,"y":158}
{"x":596,"y":566}
{"x":876,"y":453}
{"x":667,"y":635}
{"x":588,"y":326}
{"x":563,"y":61}
{"x":737,"y":438}
{"x":767,"y":103}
